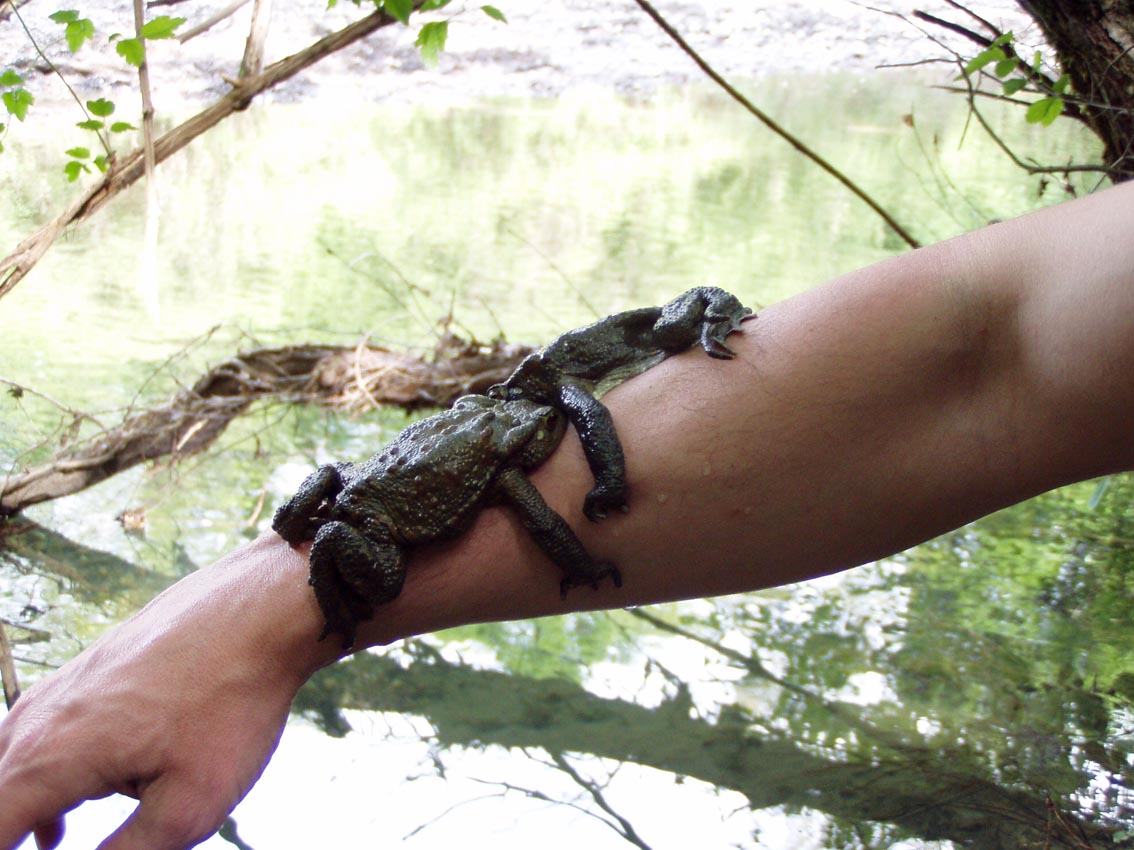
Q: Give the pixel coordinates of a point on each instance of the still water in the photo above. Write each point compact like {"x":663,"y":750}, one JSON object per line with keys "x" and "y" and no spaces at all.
{"x":976,"y":691}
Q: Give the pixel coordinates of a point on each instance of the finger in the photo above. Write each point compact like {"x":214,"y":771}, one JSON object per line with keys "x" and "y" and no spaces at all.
{"x":31,"y":805}
{"x":168,"y":818}
{"x":48,"y":834}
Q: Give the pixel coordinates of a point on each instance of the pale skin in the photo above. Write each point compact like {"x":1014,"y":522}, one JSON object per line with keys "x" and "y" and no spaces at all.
{"x":864,"y":416}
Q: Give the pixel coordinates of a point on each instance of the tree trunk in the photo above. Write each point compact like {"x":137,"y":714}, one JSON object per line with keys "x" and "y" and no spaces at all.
{"x":1094,"y":40}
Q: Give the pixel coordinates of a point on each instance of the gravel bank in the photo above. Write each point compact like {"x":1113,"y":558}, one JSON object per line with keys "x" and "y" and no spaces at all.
{"x":545,"y":49}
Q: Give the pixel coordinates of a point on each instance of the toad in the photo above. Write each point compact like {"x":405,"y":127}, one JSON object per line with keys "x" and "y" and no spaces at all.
{"x":575,"y":370}
{"x":427,"y":485}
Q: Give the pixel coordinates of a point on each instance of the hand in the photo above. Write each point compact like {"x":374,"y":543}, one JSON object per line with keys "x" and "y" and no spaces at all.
{"x":131,"y":714}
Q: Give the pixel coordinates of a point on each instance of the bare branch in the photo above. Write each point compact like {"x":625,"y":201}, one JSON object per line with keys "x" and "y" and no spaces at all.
{"x":621,"y":825}
{"x":780,"y":131}
{"x":208,"y":23}
{"x":253,"y":60}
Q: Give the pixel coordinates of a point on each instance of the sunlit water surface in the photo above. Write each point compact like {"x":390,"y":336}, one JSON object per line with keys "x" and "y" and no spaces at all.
{"x":945,"y":695}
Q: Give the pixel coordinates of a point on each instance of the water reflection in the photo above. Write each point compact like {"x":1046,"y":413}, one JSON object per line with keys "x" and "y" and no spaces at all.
{"x":976,"y":691}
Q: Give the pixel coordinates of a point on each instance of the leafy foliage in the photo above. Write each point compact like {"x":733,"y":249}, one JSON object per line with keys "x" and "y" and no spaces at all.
{"x":79,"y":30}
{"x":431,"y":41}
{"x":1016,"y":76}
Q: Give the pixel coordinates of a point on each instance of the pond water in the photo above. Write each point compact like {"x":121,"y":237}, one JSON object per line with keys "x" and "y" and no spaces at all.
{"x":976,"y":691}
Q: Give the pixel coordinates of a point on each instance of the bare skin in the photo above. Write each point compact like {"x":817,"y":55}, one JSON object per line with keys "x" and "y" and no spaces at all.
{"x":859,"y":418}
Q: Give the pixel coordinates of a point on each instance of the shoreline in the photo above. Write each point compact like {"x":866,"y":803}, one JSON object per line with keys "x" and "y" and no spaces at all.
{"x":545,"y":49}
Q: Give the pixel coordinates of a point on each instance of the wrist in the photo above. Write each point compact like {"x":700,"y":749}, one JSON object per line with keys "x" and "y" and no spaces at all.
{"x":263,"y":600}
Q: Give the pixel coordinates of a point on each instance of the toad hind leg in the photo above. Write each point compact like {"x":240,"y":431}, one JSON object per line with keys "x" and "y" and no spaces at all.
{"x":553,"y":535}
{"x":350,"y":574}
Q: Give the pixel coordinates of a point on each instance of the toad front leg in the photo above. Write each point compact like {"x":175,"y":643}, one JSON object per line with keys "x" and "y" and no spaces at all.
{"x":299,"y":518}
{"x":552,"y":533}
{"x":601,"y":447}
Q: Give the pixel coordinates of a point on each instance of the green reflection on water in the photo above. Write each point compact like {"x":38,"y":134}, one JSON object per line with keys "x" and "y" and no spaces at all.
{"x":997,"y":656}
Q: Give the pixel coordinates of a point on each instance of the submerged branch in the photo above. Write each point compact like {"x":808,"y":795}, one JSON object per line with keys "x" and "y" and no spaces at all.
{"x":353,"y":378}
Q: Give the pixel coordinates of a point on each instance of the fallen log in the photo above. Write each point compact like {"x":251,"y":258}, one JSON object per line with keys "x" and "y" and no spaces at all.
{"x":352,"y":378}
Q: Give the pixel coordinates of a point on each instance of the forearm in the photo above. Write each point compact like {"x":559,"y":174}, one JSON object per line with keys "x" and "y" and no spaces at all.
{"x":859,"y":418}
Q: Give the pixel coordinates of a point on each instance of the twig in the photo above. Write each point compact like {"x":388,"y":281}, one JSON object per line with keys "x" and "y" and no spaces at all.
{"x":1011,"y":154}
{"x":624,"y":827}
{"x":768,"y":122}
{"x":8,"y":7}
{"x":147,"y":267}
{"x":984,"y":22}
{"x":13,"y":9}
{"x":208,"y":23}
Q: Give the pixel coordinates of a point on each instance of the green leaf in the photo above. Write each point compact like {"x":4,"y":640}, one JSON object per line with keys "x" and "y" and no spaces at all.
{"x":101,"y":107}
{"x":90,"y":124}
{"x":1062,"y":84}
{"x":431,"y":41}
{"x":79,"y":153}
{"x":65,"y":16}
{"x":162,"y":26}
{"x":122,"y":127}
{"x":101,"y":163}
{"x":1005,"y":67}
{"x":73,"y":169}
{"x":11,"y":78}
{"x":17,"y":102}
{"x":1013,"y":86}
{"x":494,"y":13}
{"x":78,"y":32}
{"x":132,"y":50}
{"x":985,"y":57}
{"x":1044,"y":111}
{"x":399,"y":9}
{"x":431,"y":5}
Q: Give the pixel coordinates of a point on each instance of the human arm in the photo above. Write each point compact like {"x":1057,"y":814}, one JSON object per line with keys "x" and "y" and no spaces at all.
{"x":858,"y":418}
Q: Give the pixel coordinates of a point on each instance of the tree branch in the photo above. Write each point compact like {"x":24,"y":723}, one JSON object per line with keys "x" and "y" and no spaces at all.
{"x":771,"y":124}
{"x":208,"y":23}
{"x":8,"y":670}
{"x":253,"y":60}
{"x":129,"y":168}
